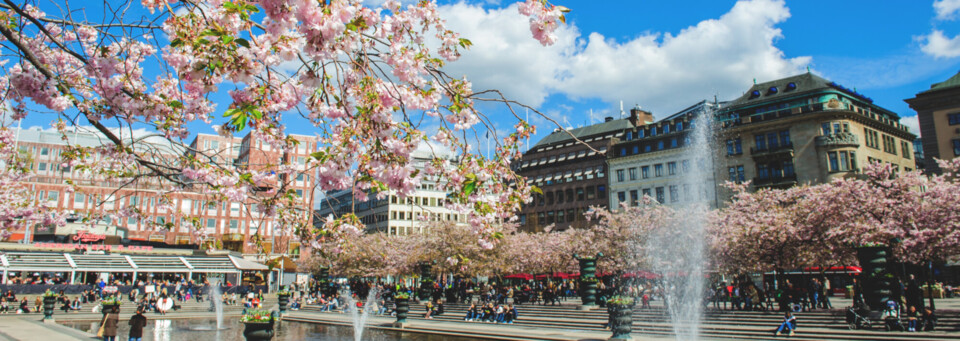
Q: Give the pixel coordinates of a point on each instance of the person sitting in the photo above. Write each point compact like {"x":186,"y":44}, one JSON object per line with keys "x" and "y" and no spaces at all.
{"x":24,"y":306}
{"x":4,"y":306}
{"x":487,"y":313}
{"x":912,"y":321}
{"x":500,"y":312}
{"x":511,"y":314}
{"x":383,"y":307}
{"x":65,"y":306}
{"x":788,"y":325}
{"x":470,"y":313}
{"x":295,"y":305}
{"x":929,"y":322}
{"x":429,"y":310}
{"x":76,"y":304}
{"x":438,"y":309}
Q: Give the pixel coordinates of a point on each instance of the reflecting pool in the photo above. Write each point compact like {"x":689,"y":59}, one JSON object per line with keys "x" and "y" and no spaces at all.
{"x":206,"y":329}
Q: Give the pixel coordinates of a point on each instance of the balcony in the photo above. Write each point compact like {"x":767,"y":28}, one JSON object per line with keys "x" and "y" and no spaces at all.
{"x":838,"y":140}
{"x":781,"y":181}
{"x":780,"y":151}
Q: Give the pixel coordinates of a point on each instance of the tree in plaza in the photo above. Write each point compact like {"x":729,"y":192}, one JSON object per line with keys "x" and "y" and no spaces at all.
{"x":369,"y":81}
{"x":776,"y":229}
{"x":916,"y":214}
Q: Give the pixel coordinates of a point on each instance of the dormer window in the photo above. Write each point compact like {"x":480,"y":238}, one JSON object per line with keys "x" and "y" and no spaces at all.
{"x":772,"y":91}
{"x":791,"y":86}
{"x":754,"y":94}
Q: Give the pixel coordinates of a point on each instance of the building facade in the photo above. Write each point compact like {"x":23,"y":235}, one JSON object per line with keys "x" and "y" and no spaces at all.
{"x":938,"y":110}
{"x":393,"y":214}
{"x":657,"y":160}
{"x":806,"y":130}
{"x":231,"y":225}
{"x":572,"y":175}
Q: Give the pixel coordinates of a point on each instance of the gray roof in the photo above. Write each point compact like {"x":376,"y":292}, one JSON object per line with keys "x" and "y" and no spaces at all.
{"x":90,"y":137}
{"x":806,"y":82}
{"x":595,"y":129}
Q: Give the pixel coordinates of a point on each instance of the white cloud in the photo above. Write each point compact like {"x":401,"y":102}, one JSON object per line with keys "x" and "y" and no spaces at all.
{"x":911,"y":122}
{"x":946,"y":9}
{"x":939,"y":45}
{"x":661,"y":71}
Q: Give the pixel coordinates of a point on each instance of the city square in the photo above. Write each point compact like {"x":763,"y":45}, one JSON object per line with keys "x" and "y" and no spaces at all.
{"x":479,"y":170}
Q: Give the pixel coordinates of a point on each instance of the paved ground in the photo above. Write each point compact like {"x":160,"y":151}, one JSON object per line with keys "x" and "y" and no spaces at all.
{"x":31,"y":328}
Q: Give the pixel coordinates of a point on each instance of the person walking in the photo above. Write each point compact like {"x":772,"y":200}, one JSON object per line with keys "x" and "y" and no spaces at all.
{"x":137,"y":322}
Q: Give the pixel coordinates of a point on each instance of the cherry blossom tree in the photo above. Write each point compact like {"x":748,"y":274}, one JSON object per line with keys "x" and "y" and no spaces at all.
{"x":19,"y":209}
{"x":370,"y":81}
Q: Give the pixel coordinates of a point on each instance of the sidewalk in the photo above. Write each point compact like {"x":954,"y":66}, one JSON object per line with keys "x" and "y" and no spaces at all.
{"x":31,"y":328}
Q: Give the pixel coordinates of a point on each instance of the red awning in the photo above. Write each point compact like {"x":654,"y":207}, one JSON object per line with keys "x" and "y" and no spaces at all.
{"x":641,"y":274}
{"x":520,"y":276}
{"x":845,"y":269}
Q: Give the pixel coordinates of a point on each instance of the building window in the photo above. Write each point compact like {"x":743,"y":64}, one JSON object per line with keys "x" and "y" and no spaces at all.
{"x":550,"y":217}
{"x":78,"y":198}
{"x":889,"y":144}
{"x":679,"y":126}
{"x":634,"y":198}
{"x":658,"y":169}
{"x":645,"y":171}
{"x":41,"y":166}
{"x":956,"y":147}
{"x":647,"y":148}
{"x":44,"y":151}
{"x":871,"y":137}
{"x":660,"y":196}
{"x":579,"y":194}
{"x":591,"y":193}
{"x":784,"y":137}
{"x":53,"y":196}
{"x":559,"y":197}
{"x":953,"y":118}
{"x":660,"y":145}
{"x":905,"y":149}
{"x":619,"y":175}
{"x":685,"y":166}
{"x":833,"y":161}
{"x":211,"y":223}
{"x":674,"y":193}
{"x":741,"y":175}
{"x":636,"y":150}
{"x":763,"y":172}
{"x":560,"y":219}
{"x":653,"y":131}
{"x":633,"y":173}
{"x":666,"y":128}
{"x":760,"y":141}
{"x":734,"y":147}
{"x":672,"y":168}
{"x":646,"y":192}
{"x":686,"y":193}
{"x":602,"y":191}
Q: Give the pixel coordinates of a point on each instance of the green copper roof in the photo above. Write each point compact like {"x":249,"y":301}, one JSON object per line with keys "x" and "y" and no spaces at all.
{"x":949,"y":83}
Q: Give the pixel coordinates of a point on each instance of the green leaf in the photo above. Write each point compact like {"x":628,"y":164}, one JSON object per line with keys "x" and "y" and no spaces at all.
{"x":226,"y":39}
{"x":175,"y":104}
{"x":466,"y":43}
{"x":256,"y":114}
{"x":243,"y":42}
{"x":231,"y":112}
{"x":469,"y":187}
{"x":176,"y":42}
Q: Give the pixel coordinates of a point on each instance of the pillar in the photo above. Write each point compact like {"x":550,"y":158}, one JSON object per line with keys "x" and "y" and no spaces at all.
{"x":73,"y":277}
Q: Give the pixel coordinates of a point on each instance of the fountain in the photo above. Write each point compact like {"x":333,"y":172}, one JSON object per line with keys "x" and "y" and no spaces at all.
{"x":216,"y":304}
{"x":678,"y":253}
{"x":358,"y":318}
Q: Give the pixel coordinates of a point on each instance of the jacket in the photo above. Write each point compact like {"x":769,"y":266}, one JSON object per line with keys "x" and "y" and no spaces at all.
{"x":110,"y":324}
{"x":137,"y":322}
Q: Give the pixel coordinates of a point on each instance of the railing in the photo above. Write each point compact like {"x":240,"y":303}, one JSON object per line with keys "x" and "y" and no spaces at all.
{"x":775,"y":181}
{"x":771,"y":150}
{"x":73,"y":289}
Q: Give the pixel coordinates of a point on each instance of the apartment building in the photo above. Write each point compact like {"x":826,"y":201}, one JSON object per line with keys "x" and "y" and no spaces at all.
{"x":572,"y":175}
{"x":806,"y":129}
{"x":393,"y":214}
{"x":230,"y":224}
{"x":938,"y":110}
{"x":658,"y":160}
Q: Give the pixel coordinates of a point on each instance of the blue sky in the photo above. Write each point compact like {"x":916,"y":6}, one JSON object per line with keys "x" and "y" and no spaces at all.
{"x":667,"y":55}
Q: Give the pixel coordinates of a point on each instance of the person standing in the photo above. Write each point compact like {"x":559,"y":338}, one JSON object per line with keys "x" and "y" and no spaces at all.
{"x":137,"y":322}
{"x":110,"y":322}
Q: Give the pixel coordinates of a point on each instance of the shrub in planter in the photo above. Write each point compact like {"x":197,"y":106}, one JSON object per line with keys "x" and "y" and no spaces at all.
{"x":621,"y":316}
{"x":49,"y":304}
{"x":283,"y":298}
{"x":403,"y":306}
{"x":258,"y":324}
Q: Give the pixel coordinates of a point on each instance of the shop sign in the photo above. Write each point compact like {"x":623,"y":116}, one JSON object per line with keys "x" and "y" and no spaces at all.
{"x":87,"y":237}
{"x":110,"y":289}
{"x":93,"y":247}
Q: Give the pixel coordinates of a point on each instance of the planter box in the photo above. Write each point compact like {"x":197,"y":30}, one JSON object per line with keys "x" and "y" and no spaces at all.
{"x":49,"y":305}
{"x":258,"y":331}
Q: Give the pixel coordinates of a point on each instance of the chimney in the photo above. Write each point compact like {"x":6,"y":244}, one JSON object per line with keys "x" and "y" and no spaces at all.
{"x":640,"y":117}
{"x":607,"y":119}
